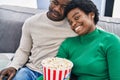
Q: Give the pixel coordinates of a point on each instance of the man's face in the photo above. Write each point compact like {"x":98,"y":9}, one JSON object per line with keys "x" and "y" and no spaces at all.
{"x":56,"y":9}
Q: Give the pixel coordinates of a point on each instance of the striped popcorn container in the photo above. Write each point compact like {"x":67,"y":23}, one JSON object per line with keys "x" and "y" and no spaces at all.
{"x":56,"y":69}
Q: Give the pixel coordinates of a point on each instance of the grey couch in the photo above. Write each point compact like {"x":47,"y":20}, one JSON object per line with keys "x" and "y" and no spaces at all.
{"x":12,"y":19}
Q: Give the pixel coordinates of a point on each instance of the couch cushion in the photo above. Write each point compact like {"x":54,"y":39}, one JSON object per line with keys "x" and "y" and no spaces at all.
{"x":11,"y":21}
{"x":110,"y":24}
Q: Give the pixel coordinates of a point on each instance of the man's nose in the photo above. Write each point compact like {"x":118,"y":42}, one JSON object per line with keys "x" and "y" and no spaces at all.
{"x":57,"y":8}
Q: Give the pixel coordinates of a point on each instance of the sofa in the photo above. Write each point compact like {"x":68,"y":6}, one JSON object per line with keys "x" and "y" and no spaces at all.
{"x":12,"y":19}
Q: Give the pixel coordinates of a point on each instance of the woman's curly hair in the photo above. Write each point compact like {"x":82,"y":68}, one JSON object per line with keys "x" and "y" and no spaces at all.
{"x":86,"y":6}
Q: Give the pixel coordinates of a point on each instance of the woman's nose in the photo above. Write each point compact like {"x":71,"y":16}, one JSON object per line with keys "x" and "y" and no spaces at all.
{"x":73,"y":24}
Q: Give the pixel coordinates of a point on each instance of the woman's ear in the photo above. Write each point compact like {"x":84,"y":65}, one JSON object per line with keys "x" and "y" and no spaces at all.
{"x":92,"y":15}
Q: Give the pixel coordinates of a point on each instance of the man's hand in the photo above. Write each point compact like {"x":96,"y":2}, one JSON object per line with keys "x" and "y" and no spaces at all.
{"x":9,"y":72}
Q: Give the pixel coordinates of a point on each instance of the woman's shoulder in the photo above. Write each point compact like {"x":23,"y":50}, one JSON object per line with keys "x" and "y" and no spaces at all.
{"x":109,"y":35}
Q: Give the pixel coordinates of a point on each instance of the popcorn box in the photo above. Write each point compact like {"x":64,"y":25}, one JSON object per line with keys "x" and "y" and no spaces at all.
{"x":56,"y":68}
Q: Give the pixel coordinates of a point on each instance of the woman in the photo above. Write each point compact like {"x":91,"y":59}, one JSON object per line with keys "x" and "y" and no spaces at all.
{"x":95,"y":53}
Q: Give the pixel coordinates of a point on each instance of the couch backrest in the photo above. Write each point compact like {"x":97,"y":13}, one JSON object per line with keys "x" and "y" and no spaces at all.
{"x":11,"y":21}
{"x":110,"y":24}
{"x":13,"y":17}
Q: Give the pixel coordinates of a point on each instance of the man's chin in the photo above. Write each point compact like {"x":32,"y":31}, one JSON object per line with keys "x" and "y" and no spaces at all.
{"x":54,"y":18}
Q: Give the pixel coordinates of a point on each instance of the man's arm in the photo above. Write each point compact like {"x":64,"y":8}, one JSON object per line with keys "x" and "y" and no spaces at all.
{"x":22,"y":54}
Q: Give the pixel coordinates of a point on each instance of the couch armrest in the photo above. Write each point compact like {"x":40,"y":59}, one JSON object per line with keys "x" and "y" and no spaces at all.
{"x":5,"y":59}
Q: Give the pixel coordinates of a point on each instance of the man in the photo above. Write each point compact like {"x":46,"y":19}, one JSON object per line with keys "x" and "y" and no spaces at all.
{"x":41,"y":36}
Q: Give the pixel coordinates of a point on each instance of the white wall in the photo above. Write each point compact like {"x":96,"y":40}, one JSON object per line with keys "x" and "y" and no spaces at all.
{"x":24,"y":3}
{"x":100,"y":5}
{"x":43,"y":4}
{"x":33,"y":4}
{"x":116,"y":9}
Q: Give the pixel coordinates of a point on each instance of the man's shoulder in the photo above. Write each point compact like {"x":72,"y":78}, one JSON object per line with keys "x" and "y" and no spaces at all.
{"x":36,"y":16}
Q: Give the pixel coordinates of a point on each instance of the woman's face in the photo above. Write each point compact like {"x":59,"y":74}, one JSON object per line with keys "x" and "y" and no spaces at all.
{"x":80,"y":22}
